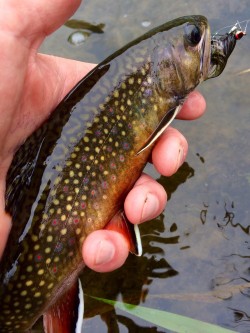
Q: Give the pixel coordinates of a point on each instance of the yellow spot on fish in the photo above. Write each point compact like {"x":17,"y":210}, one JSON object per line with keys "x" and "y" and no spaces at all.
{"x":78,"y":231}
{"x":40,"y":271}
{"x":69,"y":198}
{"x":47,"y":250}
{"x":102,"y":158}
{"x":50,"y":285}
{"x":56,"y":202}
{"x":42,"y":227}
{"x":63,"y":218}
{"x":68,"y":207}
{"x":29,"y":269}
{"x":122,"y":108}
{"x":68,"y":163}
{"x":48,"y":261}
{"x":123,"y":85}
{"x":88,"y":167}
{"x":23,"y":293}
{"x":77,"y":190}
{"x":34,"y":238}
{"x":73,"y":155}
{"x":116,"y":93}
{"x":37,"y":294}
{"x":64,"y":230}
{"x":71,"y":173}
{"x":29,"y":283}
{"x":42,"y":283}
{"x":76,"y":181}
{"x":49,"y":239}
{"x":86,"y":139}
{"x":131,"y":80}
{"x":57,"y":180}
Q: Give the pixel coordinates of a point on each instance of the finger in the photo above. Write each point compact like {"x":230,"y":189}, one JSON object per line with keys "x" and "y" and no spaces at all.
{"x":169,"y":152}
{"x":145,"y":201}
{"x":105,"y":250}
{"x":194,"y":106}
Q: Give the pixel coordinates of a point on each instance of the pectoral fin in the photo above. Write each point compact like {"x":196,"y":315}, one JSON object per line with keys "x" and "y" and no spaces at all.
{"x":130,"y":231}
{"x":165,"y":122}
{"x":66,"y":315}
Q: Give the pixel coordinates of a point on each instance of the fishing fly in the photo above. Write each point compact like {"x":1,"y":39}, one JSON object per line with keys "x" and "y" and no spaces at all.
{"x":235,"y":30}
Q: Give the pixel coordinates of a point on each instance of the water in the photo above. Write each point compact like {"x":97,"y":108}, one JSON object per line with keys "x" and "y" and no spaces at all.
{"x":196,"y":255}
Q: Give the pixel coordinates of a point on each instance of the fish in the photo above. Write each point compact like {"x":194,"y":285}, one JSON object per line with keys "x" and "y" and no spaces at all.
{"x":71,"y":176}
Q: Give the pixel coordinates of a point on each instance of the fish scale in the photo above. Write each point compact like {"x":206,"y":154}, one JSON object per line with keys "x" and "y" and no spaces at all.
{"x":72,"y":175}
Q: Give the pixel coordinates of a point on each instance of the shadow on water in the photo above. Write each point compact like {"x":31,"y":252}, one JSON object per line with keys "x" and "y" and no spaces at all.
{"x":196,"y":254}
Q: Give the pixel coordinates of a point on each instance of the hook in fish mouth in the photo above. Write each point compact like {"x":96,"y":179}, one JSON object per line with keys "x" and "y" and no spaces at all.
{"x":221,"y":48}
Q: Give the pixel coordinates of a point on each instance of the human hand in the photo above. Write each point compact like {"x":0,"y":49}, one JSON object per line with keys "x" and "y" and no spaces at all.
{"x":31,"y":86}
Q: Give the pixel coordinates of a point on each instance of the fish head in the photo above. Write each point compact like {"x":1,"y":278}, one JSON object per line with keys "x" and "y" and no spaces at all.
{"x":182,"y":56}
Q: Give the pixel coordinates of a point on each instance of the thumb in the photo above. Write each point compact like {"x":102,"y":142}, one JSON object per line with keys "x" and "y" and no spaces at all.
{"x":34,"y":20}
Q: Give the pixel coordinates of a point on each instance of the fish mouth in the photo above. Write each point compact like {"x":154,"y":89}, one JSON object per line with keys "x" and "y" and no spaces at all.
{"x":205,"y":55}
{"x":221,"y":49}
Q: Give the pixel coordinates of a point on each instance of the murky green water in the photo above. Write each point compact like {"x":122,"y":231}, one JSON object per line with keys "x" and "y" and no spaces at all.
{"x":196,"y":259}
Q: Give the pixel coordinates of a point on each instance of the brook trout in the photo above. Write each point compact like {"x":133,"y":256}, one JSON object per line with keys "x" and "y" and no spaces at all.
{"x":71,"y":176}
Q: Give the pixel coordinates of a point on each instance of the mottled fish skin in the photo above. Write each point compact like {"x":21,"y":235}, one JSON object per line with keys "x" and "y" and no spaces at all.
{"x":71,"y":176}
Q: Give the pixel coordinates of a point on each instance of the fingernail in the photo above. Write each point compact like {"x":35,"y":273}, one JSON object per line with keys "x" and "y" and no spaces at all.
{"x":180,"y":158}
{"x":150,"y":208}
{"x":105,"y":252}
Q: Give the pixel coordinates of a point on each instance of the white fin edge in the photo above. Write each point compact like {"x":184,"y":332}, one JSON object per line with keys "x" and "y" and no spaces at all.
{"x":159,"y":133}
{"x":138,"y":240}
{"x":80,"y":308}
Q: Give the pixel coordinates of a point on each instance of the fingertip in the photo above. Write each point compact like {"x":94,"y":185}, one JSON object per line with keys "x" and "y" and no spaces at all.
{"x":170,"y":152}
{"x":105,"y":250}
{"x":145,"y":201}
{"x":194,"y":106}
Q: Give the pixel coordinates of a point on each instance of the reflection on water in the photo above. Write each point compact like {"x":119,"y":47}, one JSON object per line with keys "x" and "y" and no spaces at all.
{"x":196,"y":255}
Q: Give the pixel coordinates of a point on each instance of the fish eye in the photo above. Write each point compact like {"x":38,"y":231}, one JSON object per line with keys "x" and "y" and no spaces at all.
{"x":192,"y":34}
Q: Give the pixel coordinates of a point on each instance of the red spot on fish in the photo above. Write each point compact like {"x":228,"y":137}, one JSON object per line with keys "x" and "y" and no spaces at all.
{"x":71,"y":241}
{"x":65,"y":189}
{"x":93,"y":193}
{"x":76,"y":221}
{"x":121,"y":158}
{"x":54,"y":222}
{"x":83,"y":205}
{"x":38,"y":257}
{"x":113,"y":177}
{"x":112,"y":165}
